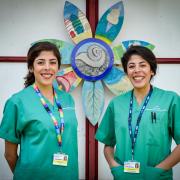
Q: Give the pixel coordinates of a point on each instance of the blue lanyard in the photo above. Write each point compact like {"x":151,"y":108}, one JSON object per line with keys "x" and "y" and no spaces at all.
{"x":134,"y":136}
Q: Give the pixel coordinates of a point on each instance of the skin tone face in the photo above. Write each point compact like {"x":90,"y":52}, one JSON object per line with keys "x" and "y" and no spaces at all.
{"x":139,"y":73}
{"x":45,"y":67}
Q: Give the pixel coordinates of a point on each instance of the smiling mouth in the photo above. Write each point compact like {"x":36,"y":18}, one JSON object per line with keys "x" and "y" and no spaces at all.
{"x":138,"y":78}
{"x":46,"y":75}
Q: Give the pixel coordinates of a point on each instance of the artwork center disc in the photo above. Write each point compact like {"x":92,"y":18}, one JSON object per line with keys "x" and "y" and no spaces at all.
{"x":92,"y":59}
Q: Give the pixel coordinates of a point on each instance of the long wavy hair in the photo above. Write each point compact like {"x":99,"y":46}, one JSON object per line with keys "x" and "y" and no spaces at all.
{"x":33,"y":53}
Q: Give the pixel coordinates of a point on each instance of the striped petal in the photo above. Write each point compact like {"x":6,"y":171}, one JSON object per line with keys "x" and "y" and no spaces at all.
{"x":117,"y":81}
{"x":93,"y":100}
{"x":128,"y":43}
{"x":110,"y":23}
{"x":67,"y":79}
{"x":76,"y":23}
{"x":64,"y":48}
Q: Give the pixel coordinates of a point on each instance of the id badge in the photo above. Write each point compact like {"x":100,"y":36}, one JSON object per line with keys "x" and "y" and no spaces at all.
{"x":132,"y":166}
{"x":60,"y":159}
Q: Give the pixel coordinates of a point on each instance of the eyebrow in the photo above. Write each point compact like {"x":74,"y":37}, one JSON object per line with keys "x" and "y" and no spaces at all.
{"x":132,"y":63}
{"x":44,"y":59}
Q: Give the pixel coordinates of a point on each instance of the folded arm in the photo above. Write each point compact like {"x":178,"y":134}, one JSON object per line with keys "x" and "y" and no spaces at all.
{"x":171,"y":160}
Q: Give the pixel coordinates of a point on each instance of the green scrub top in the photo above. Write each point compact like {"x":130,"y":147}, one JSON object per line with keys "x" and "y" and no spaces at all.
{"x":154,"y":139}
{"x":26,"y":122}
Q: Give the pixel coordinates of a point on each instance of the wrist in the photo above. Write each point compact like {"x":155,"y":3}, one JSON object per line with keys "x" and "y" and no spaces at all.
{"x":162,"y":167}
{"x":113,"y":163}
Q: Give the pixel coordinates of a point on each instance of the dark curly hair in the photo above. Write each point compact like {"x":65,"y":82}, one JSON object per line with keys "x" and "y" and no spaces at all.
{"x":33,"y":53}
{"x":142,"y":51}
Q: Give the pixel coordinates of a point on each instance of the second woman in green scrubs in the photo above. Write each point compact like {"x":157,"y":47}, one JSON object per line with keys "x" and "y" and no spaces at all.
{"x":41,"y":120}
{"x":138,"y":126}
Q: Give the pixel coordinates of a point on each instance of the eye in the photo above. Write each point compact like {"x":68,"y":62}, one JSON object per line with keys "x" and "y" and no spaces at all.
{"x":40,"y":62}
{"x":53,"y":62}
{"x":143,"y":65}
{"x":131,"y":66}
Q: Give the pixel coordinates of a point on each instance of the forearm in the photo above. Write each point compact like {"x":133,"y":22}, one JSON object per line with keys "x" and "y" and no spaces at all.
{"x":11,"y":154}
{"x":171,"y":160}
{"x":109,"y":155}
{"x":11,"y":161}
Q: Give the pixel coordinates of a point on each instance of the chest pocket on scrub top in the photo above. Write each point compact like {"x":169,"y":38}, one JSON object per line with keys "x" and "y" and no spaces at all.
{"x":69,"y":116}
{"x":157,"y":130}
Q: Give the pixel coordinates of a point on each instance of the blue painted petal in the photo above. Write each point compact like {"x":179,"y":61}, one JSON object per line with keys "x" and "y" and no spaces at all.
{"x":117,"y":81}
{"x":110,"y":23}
{"x":64,"y":48}
{"x":93,"y":100}
{"x":114,"y":76}
{"x":128,"y":43}
{"x":76,"y":23}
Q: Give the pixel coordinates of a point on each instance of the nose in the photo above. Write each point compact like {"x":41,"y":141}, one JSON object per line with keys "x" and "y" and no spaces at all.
{"x":47,"y":65}
{"x":137,"y":69}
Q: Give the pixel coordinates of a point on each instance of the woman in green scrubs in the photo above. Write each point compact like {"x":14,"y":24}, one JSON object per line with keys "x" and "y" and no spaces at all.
{"x":138,"y":126}
{"x":41,"y":120}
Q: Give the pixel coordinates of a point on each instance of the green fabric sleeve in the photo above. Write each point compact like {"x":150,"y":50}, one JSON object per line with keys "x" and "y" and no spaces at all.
{"x":106,"y":131}
{"x":8,"y":127}
{"x":174,"y":116}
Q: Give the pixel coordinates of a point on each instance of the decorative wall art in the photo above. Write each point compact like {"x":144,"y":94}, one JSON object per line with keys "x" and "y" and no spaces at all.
{"x":93,"y":60}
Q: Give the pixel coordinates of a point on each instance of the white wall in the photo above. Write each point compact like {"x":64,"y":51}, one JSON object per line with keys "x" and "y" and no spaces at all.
{"x":24,"y":21}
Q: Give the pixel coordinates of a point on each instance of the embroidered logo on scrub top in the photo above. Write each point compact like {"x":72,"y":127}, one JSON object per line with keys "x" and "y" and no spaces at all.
{"x":156,"y":108}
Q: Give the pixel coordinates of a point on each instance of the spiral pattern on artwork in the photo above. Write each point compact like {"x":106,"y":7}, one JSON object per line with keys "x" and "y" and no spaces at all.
{"x":93,"y":62}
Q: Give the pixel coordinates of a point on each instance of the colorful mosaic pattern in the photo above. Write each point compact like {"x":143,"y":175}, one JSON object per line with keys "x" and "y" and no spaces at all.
{"x":93,"y":60}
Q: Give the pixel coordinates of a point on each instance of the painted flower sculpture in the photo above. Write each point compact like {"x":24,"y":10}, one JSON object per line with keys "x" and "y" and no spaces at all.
{"x":92,"y":59}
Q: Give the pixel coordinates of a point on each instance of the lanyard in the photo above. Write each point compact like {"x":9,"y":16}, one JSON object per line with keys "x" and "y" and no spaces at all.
{"x":58,"y":128}
{"x":134,"y":136}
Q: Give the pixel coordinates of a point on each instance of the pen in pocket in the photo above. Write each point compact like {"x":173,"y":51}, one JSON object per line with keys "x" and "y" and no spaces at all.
{"x":153,"y":117}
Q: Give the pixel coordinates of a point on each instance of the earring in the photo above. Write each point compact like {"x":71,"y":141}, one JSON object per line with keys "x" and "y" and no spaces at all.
{"x":31,"y":70}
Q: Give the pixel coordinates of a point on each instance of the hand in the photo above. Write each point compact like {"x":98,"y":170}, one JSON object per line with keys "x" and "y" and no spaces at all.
{"x":161,"y":167}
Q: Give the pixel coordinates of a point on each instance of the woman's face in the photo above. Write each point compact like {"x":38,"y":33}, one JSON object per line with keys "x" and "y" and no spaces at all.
{"x":139,"y":72}
{"x":45,"y":67}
